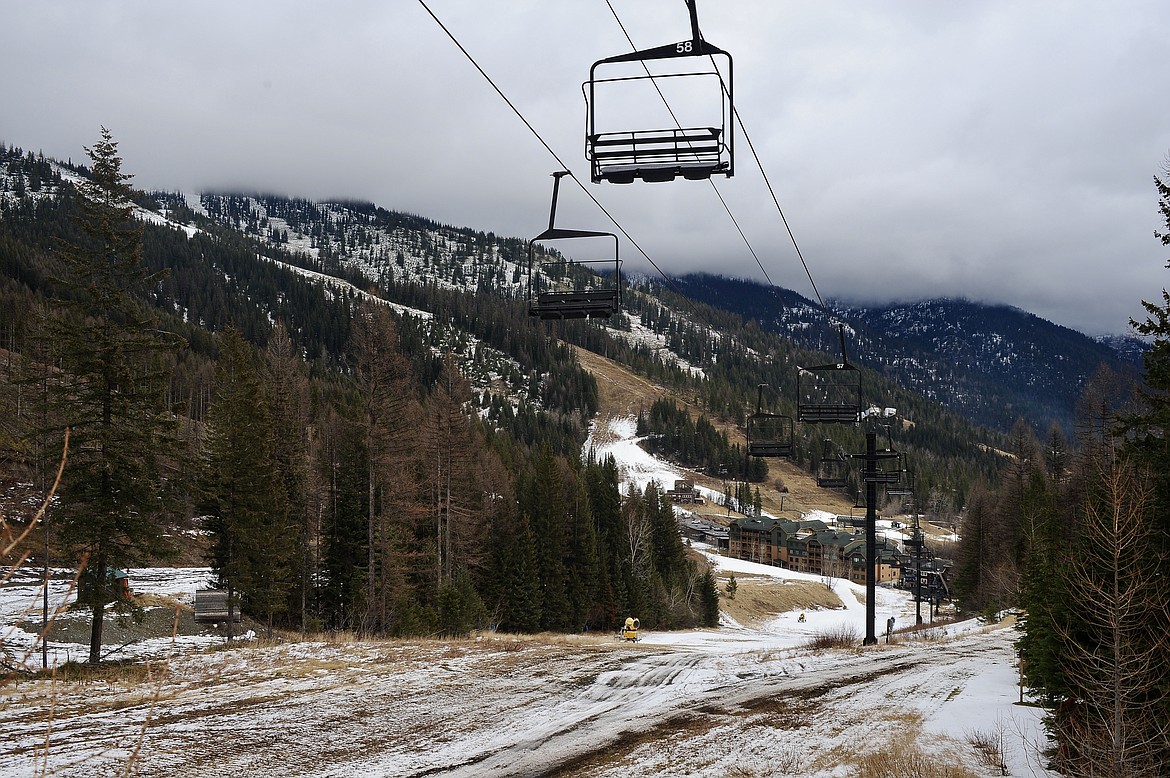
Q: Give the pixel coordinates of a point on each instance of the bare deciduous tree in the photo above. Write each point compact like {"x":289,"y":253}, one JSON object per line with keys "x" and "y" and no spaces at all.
{"x":1115,"y":725}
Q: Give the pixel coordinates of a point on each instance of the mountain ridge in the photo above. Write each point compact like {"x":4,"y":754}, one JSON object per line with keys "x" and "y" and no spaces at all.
{"x":992,"y":362}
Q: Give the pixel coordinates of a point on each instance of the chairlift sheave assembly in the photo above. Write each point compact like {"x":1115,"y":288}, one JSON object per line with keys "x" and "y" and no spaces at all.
{"x":768,"y":434}
{"x":564,"y":288}
{"x":695,"y":140}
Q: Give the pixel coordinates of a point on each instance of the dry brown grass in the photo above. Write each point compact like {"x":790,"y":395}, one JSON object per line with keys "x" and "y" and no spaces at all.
{"x":844,"y":636}
{"x":160,"y":601}
{"x":989,"y":747}
{"x":758,"y":599}
{"x":908,"y":763}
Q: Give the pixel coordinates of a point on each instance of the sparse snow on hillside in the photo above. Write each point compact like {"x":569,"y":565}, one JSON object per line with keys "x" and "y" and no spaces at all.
{"x":735,"y":700}
{"x":640,"y":335}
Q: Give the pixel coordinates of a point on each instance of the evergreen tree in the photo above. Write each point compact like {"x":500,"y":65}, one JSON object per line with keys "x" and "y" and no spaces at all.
{"x":709,"y":599}
{"x":116,"y":364}
{"x":286,"y":383}
{"x":253,"y":541}
{"x":613,"y":547}
{"x":517,"y":593}
{"x":545,"y":503}
{"x":344,"y":534}
{"x":582,"y":564}
{"x":1150,"y":426}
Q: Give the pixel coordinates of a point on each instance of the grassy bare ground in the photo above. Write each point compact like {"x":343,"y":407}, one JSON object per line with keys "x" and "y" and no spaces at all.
{"x":341,"y":706}
{"x":622,"y":393}
{"x":758,"y":599}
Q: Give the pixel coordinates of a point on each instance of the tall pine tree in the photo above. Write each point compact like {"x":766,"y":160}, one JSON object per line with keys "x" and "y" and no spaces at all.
{"x":253,"y":541}
{"x":116,"y":364}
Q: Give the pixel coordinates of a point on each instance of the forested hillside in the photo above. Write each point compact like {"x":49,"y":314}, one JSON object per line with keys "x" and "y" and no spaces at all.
{"x":992,"y":364}
{"x":367,"y":387}
{"x":396,"y":470}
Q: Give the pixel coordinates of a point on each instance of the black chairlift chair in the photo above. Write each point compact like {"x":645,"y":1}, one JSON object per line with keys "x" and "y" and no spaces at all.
{"x":699,"y":145}
{"x":905,"y":485}
{"x":560,"y":288}
{"x":829,"y":394}
{"x":833,"y":467}
{"x":888,"y":469}
{"x":768,"y":434}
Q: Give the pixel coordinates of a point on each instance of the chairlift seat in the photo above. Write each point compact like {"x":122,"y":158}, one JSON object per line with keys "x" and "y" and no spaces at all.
{"x":584,"y":301}
{"x":769,"y":435}
{"x":694,"y":153}
{"x":833,"y":467}
{"x":576,"y":304}
{"x":829,"y":413}
{"x":831,"y":473}
{"x":890,"y":475}
{"x":769,"y":448}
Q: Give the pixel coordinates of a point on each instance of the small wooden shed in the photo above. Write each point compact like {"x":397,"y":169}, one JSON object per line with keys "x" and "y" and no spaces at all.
{"x":211,"y":607}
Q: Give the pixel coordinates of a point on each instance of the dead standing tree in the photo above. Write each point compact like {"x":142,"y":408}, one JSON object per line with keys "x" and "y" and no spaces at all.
{"x":1116,"y":726}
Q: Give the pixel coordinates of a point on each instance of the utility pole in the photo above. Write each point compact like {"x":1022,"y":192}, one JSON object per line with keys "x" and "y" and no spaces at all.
{"x":917,"y":567}
{"x":871,"y":466}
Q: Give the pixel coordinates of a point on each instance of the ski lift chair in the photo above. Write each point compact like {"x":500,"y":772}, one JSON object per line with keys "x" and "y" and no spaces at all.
{"x":905,"y":486}
{"x":560,"y":288}
{"x":833,"y":467}
{"x":888,"y":467}
{"x":828,"y":394}
{"x":768,"y":434}
{"x":700,"y":145}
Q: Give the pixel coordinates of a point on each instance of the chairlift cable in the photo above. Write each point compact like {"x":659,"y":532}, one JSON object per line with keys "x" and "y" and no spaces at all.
{"x":759,"y":164}
{"x":678,"y":124}
{"x":549,"y":149}
{"x":779,"y":210}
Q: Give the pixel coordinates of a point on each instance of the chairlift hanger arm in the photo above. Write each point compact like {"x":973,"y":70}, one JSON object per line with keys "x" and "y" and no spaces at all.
{"x":667,"y":51}
{"x":553,"y":233}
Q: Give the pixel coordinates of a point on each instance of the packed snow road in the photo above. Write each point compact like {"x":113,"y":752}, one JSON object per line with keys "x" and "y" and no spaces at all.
{"x":521,"y":707}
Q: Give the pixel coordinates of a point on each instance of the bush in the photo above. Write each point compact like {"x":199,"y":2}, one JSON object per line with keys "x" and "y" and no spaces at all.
{"x":908,"y":764}
{"x":843,"y":636}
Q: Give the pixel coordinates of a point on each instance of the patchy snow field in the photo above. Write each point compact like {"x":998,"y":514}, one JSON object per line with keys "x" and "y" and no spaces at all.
{"x":708,"y":702}
{"x":21,"y":614}
{"x":733,"y":701}
{"x":736,"y":701}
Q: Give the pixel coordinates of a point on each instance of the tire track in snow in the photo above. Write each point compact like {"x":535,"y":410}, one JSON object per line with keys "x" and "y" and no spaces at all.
{"x":639,"y":707}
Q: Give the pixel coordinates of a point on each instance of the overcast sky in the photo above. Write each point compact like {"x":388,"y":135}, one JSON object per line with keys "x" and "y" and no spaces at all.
{"x":1001,"y":151}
